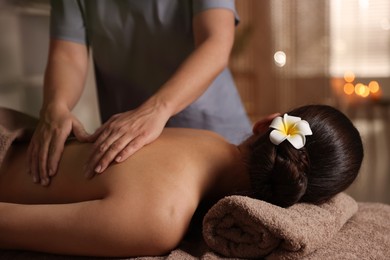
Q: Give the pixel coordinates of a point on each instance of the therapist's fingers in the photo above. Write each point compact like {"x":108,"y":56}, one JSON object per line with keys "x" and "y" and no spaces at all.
{"x":103,"y":131}
{"x":37,"y":156}
{"x":131,"y":148}
{"x":33,"y":162}
{"x":110,"y":154}
{"x":41,"y":158}
{"x":120,"y":150}
{"x":123,"y":135}
{"x":103,"y":143}
{"x":115,"y":148}
{"x":56,"y":149}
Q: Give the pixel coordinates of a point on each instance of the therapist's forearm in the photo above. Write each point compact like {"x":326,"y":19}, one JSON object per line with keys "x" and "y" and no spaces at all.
{"x":214,"y":37}
{"x":193,"y":77}
{"x":65,"y":75}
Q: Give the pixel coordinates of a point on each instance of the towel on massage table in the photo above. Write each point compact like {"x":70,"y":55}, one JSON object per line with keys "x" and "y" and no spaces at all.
{"x":239,"y":226}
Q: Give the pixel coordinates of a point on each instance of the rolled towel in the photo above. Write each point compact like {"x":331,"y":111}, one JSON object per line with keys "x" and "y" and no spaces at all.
{"x":239,"y":226}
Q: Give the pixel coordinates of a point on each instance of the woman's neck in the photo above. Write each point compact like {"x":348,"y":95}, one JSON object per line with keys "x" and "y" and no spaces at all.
{"x":234,"y":179}
{"x":241,"y":174}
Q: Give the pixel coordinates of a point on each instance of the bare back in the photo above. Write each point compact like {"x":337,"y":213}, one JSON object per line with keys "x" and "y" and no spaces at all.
{"x":149,"y":199}
{"x":182,"y":164}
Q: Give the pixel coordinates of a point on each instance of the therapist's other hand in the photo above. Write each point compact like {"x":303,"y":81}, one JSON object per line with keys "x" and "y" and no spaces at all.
{"x":124,"y":134}
{"x":47,"y":144}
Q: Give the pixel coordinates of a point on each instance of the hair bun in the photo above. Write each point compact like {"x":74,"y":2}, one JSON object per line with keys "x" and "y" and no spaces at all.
{"x":280,"y":176}
{"x":327,"y":164}
{"x":289,"y":175}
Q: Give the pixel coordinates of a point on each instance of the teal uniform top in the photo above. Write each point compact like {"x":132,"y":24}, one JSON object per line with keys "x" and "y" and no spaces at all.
{"x":137,"y":45}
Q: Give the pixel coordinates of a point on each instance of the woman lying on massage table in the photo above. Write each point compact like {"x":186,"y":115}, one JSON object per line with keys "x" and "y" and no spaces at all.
{"x":144,"y":205}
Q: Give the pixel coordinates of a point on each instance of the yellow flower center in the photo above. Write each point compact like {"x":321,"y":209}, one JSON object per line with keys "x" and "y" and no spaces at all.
{"x":289,"y":129}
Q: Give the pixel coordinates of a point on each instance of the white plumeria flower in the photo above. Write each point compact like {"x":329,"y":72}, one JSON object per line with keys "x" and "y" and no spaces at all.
{"x":292,"y":128}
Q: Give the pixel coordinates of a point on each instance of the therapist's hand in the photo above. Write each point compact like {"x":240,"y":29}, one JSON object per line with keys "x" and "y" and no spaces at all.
{"x":47,"y":143}
{"x":124,"y":134}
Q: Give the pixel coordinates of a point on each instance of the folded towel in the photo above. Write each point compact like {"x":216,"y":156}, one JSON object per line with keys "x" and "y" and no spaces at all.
{"x":239,"y":226}
{"x":14,"y":125}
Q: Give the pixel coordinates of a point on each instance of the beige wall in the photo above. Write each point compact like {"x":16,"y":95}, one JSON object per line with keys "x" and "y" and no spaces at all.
{"x":24,"y":42}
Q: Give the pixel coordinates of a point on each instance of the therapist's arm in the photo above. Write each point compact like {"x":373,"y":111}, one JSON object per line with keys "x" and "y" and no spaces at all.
{"x":125,"y":133}
{"x":63,"y":84}
{"x":214,"y":36}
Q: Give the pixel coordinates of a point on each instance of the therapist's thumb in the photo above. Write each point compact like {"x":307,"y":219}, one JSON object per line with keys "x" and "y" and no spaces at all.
{"x":79,"y":131}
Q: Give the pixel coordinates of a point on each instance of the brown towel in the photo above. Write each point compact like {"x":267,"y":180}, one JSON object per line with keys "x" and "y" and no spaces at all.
{"x":14,"y":125}
{"x":365,"y":236}
{"x":239,"y":226}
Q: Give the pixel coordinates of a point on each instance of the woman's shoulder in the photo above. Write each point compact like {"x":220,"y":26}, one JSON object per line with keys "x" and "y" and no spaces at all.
{"x":194,"y":144}
{"x":190,"y":133}
{"x":180,"y":148}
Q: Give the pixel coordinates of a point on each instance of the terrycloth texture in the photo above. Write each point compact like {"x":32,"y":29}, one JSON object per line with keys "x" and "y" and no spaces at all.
{"x":365,"y":236}
{"x":14,"y":125}
{"x":240,"y":226}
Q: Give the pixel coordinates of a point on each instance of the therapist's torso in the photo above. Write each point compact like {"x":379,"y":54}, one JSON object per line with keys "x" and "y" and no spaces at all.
{"x":137,"y":46}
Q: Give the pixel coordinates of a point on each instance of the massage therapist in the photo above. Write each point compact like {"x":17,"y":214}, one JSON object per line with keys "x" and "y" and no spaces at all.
{"x":157,"y":63}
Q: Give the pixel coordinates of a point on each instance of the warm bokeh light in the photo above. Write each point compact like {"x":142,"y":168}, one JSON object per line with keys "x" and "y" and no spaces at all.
{"x":376,"y":95}
{"x":366,"y":92}
{"x":346,"y":86}
{"x":349,"y":76}
{"x":373,"y":86}
{"x":349,"y":88}
{"x":362,"y":90}
{"x":280,"y":58}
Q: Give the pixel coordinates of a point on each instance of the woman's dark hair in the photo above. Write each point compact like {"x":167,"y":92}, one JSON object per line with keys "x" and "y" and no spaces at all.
{"x":327,"y":164}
